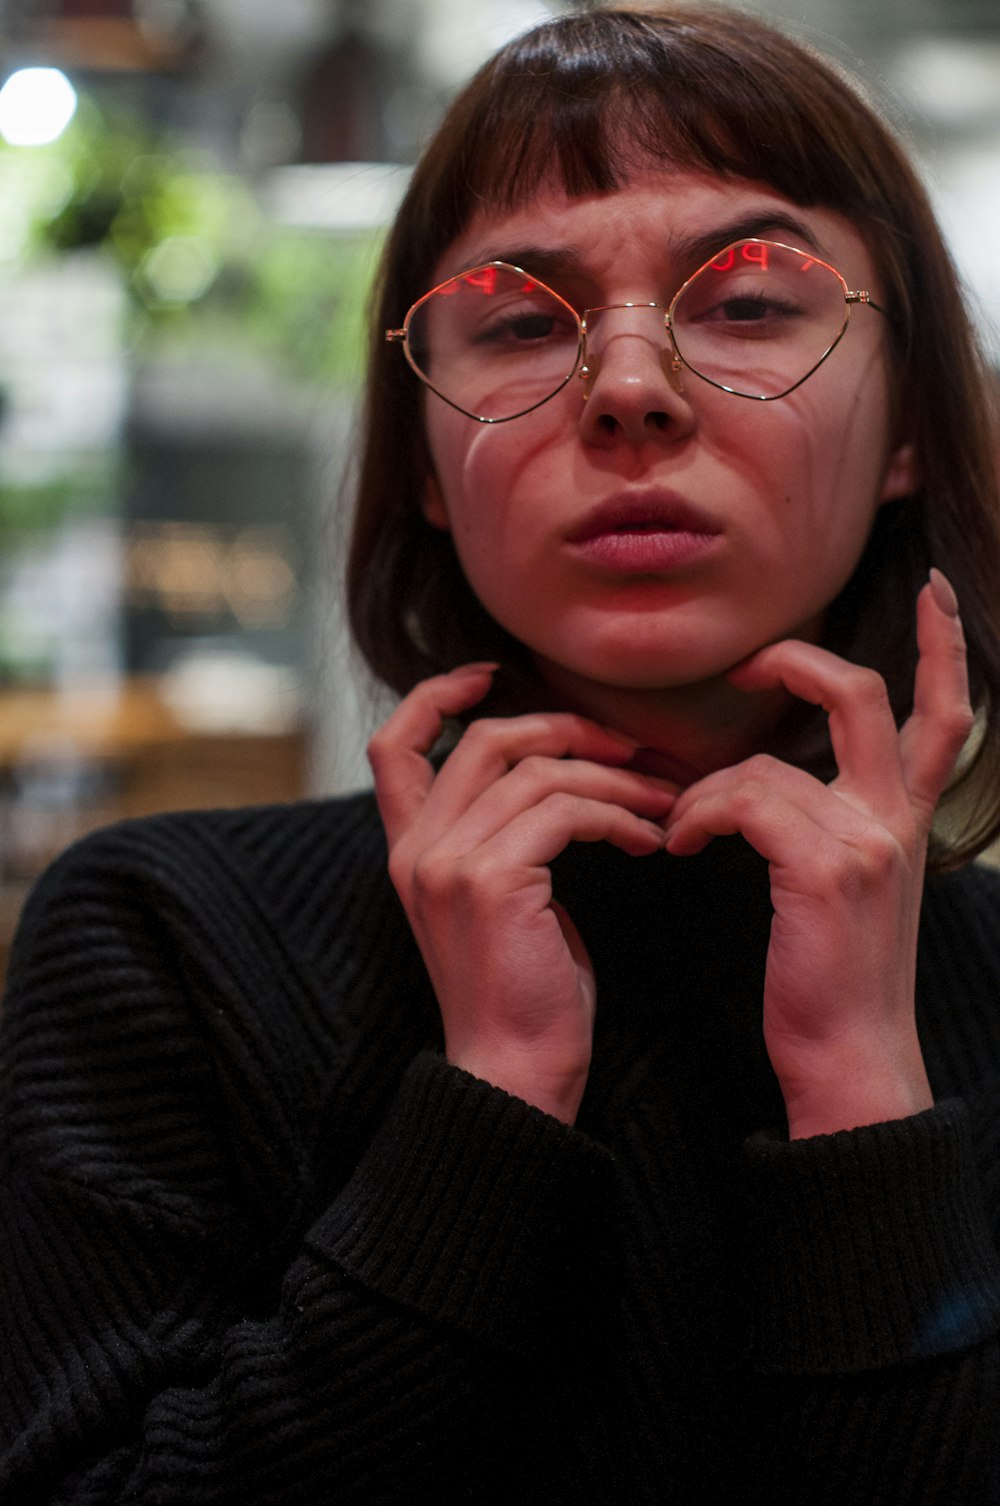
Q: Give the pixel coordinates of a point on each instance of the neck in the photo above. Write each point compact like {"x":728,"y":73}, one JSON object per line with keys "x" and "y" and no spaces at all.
{"x":685,"y":731}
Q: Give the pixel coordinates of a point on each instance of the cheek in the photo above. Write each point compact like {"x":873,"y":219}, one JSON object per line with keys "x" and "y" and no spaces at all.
{"x":487,"y":476}
{"x":817,"y":460}
{"x":847,"y":459}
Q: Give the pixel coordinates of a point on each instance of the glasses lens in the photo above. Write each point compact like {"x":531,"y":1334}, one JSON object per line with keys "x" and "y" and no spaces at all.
{"x":759,"y":318}
{"x":493,"y":342}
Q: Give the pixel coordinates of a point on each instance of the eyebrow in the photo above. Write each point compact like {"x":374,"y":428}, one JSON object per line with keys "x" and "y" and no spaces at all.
{"x":748,"y":227}
{"x":541,"y":261}
{"x":690,"y":250}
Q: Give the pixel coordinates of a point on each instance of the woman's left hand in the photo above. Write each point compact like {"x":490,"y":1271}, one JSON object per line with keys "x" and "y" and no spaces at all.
{"x":847,"y":869}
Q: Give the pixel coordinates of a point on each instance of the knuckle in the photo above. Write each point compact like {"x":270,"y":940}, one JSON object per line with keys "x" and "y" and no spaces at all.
{"x":746,"y":797}
{"x":881,"y":854}
{"x":857,"y":869}
{"x":959,"y":723}
{"x":484,"y":732}
{"x":489,"y":728}
{"x":868,"y":686}
{"x":401,"y":868}
{"x":535,"y":771}
{"x":467,"y":886}
{"x":446,"y":880}
{"x":560,"y":805}
{"x":429,"y":878}
{"x":760,"y":768}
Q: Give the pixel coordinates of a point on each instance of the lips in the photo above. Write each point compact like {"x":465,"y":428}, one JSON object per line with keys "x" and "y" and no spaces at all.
{"x":652,"y":530}
{"x":647,"y":511}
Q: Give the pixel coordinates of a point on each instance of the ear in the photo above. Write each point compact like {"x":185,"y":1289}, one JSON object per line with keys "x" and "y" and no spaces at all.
{"x":902,"y":473}
{"x":433,"y":507}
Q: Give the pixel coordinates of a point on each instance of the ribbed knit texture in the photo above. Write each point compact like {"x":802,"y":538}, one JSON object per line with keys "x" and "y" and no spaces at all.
{"x":259,"y":1243}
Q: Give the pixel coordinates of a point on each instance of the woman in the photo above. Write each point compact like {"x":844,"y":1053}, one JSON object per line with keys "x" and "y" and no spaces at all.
{"x":631,"y":1153}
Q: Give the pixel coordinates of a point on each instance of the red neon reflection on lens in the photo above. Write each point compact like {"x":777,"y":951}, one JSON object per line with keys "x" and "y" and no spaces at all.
{"x":484,"y":280}
{"x":753,"y":252}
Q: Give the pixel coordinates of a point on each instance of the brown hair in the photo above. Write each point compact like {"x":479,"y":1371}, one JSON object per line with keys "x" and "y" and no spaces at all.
{"x":709,"y":89}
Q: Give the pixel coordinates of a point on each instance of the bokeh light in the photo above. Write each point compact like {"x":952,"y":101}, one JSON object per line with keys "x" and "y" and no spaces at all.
{"x":36,"y":106}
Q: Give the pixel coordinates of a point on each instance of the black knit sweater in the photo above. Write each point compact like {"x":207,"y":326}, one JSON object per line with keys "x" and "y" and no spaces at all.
{"x":259,"y":1243}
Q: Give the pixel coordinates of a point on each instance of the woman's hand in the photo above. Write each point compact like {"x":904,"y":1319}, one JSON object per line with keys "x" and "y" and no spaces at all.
{"x":468,"y":854}
{"x":847,"y":869}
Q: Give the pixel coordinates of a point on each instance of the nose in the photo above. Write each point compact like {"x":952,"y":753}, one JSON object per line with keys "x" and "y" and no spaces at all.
{"x":633,"y":385}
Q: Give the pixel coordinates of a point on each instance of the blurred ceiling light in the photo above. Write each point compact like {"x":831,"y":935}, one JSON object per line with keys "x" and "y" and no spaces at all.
{"x":345,"y":196}
{"x":458,"y":35}
{"x":952,"y":80}
{"x":508,"y":19}
{"x":36,"y":106}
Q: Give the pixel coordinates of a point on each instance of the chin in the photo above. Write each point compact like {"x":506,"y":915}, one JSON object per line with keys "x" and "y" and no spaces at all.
{"x":635,"y":658}
{"x":630,"y":670}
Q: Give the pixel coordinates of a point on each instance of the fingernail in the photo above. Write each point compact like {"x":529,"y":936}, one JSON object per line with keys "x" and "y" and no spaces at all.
{"x":484,"y":667}
{"x":943,"y":592}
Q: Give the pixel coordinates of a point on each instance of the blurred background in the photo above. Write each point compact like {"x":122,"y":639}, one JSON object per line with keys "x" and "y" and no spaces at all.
{"x":192,"y":194}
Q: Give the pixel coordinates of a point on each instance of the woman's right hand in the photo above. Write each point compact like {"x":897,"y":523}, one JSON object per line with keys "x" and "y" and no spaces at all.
{"x":468,"y":853}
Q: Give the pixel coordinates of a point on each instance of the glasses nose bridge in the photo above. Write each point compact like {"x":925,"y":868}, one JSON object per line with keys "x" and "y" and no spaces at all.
{"x":590,"y":352}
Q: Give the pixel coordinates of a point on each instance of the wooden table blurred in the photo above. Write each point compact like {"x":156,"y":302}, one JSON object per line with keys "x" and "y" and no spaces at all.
{"x":73,"y":761}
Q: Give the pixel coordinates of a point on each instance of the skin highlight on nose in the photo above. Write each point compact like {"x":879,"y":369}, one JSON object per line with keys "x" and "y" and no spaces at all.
{"x":631,"y":384}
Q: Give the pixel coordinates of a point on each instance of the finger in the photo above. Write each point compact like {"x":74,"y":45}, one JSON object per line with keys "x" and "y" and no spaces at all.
{"x":493,"y":746}
{"x":534,"y":779}
{"x":398,"y":751}
{"x":862,"y":727}
{"x":764,"y":772}
{"x":539,"y":834}
{"x":784,"y":833}
{"x":942,"y":718}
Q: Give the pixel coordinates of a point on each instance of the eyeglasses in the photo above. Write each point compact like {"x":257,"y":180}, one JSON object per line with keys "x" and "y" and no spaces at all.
{"x":756,"y":321}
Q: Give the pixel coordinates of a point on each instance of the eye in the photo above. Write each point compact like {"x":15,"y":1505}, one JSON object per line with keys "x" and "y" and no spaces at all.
{"x":746,"y":308}
{"x":750,"y":306}
{"x":521,"y":327}
{"x":752,"y":311}
{"x":529,"y":326}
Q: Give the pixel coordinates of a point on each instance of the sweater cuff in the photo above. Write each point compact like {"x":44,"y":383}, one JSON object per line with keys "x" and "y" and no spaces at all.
{"x":871,"y":1246}
{"x":471,"y":1207}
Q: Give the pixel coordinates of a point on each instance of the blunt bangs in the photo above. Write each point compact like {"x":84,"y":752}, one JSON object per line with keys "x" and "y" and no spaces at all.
{"x":605,"y":94}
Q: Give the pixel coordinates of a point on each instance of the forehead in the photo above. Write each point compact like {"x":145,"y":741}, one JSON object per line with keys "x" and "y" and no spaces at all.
{"x":660,"y":222}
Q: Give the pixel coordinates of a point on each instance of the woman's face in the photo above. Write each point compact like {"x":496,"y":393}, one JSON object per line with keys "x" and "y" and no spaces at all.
{"x":659,"y":531}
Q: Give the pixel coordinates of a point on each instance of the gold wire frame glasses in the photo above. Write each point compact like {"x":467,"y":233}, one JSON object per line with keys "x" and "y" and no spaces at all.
{"x":756,"y":321}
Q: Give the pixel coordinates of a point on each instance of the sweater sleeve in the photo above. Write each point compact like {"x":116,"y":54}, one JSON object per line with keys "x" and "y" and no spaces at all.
{"x":877,"y":1294}
{"x":156,"y":1348}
